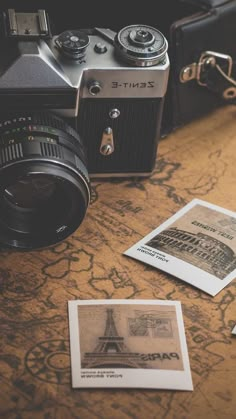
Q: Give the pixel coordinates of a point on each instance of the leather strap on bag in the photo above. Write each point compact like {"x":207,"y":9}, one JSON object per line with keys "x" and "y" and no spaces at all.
{"x":213,"y":71}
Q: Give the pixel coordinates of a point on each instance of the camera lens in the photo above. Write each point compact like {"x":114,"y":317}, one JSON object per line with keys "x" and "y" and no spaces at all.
{"x":44,"y":184}
{"x":30,"y":192}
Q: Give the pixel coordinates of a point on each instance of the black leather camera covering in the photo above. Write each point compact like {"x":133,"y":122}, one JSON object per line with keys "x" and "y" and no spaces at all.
{"x":190,"y":26}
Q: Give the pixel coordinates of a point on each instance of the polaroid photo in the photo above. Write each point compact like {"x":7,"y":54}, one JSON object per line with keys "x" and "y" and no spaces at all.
{"x":197,"y":245}
{"x":234,"y":330}
{"x":128,"y":344}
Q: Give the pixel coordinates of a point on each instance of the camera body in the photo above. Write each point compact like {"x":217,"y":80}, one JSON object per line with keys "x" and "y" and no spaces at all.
{"x":114,"y":103}
{"x":79,"y":104}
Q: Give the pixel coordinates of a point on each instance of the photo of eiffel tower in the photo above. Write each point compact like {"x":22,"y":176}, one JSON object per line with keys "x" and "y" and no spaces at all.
{"x":111,"y":351}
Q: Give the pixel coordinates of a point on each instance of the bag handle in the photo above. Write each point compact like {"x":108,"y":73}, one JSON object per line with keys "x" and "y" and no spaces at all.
{"x":214,"y":71}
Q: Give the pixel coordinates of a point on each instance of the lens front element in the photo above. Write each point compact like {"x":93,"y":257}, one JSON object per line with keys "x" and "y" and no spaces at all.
{"x":31,"y":192}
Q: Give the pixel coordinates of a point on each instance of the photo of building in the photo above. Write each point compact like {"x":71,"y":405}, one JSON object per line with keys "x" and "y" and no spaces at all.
{"x":199,"y":249}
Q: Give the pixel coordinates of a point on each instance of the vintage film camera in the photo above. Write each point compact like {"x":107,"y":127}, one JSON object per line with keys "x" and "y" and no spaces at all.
{"x":75,"y":105}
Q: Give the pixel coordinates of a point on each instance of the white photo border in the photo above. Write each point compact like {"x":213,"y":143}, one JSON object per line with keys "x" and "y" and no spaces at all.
{"x":131,"y":378}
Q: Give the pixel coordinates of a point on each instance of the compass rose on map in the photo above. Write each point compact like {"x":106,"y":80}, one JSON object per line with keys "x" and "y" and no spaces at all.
{"x":50,"y":361}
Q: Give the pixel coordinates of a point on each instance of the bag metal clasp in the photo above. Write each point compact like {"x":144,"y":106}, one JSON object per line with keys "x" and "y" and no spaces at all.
{"x":210,"y":59}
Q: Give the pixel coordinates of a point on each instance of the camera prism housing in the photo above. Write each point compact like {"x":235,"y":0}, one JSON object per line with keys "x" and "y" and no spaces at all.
{"x":80,"y":104}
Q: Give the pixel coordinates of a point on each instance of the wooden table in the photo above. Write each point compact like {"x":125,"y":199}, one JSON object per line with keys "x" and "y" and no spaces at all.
{"x":196,"y":161}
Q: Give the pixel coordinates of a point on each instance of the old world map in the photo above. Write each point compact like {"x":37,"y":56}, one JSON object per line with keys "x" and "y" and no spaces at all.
{"x":197,"y":161}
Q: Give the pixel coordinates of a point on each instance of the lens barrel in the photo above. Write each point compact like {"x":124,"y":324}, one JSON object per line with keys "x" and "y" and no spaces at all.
{"x":44,"y":183}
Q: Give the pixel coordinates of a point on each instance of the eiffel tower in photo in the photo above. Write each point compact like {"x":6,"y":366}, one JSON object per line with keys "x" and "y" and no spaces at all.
{"x":111,"y":351}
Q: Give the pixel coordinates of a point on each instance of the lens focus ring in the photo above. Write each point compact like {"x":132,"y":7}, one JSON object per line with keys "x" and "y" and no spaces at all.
{"x":10,"y":153}
{"x":42,"y":162}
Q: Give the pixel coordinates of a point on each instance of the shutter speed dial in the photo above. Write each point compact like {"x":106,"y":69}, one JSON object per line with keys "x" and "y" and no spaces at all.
{"x":73,"y":43}
{"x":141,"y":45}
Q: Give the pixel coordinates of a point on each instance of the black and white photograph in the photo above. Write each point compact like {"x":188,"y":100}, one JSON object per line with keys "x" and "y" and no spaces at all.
{"x":197,"y":244}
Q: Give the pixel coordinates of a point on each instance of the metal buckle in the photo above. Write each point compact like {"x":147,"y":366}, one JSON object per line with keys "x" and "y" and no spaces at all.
{"x":212,"y":59}
{"x":207,"y":58}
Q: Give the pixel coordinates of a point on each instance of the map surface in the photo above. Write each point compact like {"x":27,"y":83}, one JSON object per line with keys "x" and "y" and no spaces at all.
{"x":197,"y":161}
